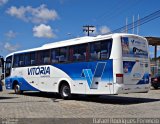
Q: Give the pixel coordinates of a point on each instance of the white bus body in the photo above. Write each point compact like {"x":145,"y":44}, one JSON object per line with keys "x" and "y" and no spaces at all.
{"x":108,"y":64}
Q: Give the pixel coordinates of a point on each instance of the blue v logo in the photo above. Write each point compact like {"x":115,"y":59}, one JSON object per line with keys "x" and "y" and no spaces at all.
{"x":94,"y":79}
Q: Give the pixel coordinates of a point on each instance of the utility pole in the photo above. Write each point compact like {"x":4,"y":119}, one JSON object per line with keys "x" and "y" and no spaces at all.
{"x":88,"y":28}
{"x":138,"y":23}
{"x":133,"y":25}
{"x":126,"y":25}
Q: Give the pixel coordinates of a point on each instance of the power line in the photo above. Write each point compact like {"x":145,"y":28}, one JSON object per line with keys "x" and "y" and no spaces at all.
{"x":139,"y":22}
{"x":119,"y":8}
{"x":101,"y":17}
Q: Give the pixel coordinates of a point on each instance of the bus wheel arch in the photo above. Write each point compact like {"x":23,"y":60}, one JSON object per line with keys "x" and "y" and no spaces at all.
{"x":64,"y":89}
{"x":16,"y":87}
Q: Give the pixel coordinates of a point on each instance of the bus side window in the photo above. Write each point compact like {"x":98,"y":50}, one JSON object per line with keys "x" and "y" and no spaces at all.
{"x":73,"y":53}
{"x":46,"y":60}
{"x":70,"y":54}
{"x":76,"y":55}
{"x":54,"y":56}
{"x":16,"y":61}
{"x":32,"y":62}
{"x":43,"y":57}
{"x":106,"y":49}
{"x":100,"y":50}
{"x":27,"y":59}
{"x":46,"y":57}
{"x":95,"y":49}
{"x":21,"y":60}
{"x":32,"y":58}
{"x":63,"y":54}
{"x":82,"y":52}
{"x":21,"y":63}
{"x":79,"y":52}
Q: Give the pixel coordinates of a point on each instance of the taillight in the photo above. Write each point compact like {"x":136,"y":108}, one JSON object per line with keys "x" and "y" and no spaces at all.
{"x":155,"y":79}
{"x":119,"y":78}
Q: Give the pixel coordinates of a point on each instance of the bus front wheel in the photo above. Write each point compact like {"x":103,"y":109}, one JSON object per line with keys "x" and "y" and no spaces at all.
{"x":65,"y":91}
{"x":17,"y":89}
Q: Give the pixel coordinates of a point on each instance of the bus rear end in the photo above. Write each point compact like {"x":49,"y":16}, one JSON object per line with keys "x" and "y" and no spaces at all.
{"x":135,"y":65}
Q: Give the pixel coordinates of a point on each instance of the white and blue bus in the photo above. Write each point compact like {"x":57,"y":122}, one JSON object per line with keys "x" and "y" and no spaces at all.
{"x":108,"y":64}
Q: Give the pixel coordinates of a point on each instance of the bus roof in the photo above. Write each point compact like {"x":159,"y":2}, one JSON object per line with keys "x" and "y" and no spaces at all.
{"x":70,"y":42}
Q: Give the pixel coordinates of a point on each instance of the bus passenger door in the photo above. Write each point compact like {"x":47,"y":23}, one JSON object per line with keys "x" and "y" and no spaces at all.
{"x":8,"y":66}
{"x":7,"y":72}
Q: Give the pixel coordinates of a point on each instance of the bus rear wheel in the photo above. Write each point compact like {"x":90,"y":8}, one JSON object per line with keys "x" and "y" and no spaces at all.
{"x":155,"y":87}
{"x":65,"y":91}
{"x":17,"y":89}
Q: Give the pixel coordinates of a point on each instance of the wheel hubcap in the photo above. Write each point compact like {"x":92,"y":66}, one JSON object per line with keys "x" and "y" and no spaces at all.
{"x":17,"y":89}
{"x":65,"y":91}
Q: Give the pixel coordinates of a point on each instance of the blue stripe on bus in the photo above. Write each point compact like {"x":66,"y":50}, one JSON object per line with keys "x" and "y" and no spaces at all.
{"x":144,"y":80}
{"x":74,"y":70}
{"x":97,"y":74}
{"x":24,"y":85}
{"x":88,"y":75}
{"x":99,"y":69}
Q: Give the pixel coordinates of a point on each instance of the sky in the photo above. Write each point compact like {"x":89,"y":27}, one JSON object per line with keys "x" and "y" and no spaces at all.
{"x":26,"y":24}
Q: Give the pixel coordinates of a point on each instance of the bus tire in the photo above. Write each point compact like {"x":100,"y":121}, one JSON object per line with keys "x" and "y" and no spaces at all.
{"x":17,"y":89}
{"x":155,"y":87}
{"x":65,"y":91}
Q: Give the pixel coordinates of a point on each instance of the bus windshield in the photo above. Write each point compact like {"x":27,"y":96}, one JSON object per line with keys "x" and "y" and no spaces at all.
{"x":134,"y":47}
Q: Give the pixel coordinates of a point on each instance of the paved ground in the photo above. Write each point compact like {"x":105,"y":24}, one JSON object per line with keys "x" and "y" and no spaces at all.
{"x":43,"y":105}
